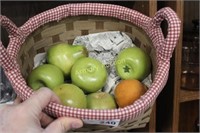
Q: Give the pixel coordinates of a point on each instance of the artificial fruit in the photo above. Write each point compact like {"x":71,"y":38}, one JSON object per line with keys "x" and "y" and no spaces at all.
{"x":100,"y":100}
{"x":89,"y":74}
{"x":133,"y":63}
{"x":64,"y":56}
{"x":71,"y":95}
{"x":45,"y":75}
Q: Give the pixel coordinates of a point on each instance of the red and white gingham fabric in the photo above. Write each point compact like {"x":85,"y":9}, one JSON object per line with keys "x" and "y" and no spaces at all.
{"x":164,"y":49}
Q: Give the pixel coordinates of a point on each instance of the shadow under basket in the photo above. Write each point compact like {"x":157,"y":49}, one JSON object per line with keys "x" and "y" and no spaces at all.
{"x":82,"y":19}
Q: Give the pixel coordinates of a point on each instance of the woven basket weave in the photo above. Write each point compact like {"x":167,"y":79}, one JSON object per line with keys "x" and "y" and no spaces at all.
{"x":63,"y":24}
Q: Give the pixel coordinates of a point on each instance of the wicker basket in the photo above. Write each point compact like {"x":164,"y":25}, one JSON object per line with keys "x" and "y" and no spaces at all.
{"x":63,"y":24}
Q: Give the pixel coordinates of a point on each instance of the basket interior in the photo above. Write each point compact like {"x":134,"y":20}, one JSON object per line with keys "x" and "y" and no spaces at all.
{"x":66,"y":30}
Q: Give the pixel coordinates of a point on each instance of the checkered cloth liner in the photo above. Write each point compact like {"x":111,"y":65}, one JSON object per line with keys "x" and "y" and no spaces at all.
{"x":164,"y":49}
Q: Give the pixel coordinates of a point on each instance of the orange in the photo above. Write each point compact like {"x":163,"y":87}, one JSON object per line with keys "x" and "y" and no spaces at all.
{"x":128,"y":91}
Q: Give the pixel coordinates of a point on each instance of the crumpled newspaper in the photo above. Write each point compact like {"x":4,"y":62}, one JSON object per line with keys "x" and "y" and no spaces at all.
{"x":39,"y":59}
{"x":103,"y":46}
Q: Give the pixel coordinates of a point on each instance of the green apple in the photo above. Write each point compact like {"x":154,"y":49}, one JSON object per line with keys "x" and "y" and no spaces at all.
{"x":133,"y":63}
{"x":45,"y":75}
{"x":100,"y":100}
{"x":64,"y":55}
{"x":89,"y":74}
{"x":71,"y":95}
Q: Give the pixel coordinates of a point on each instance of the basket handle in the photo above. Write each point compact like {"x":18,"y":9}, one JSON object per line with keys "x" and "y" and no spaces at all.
{"x":165,"y":46}
{"x":8,"y":25}
{"x":5,"y":59}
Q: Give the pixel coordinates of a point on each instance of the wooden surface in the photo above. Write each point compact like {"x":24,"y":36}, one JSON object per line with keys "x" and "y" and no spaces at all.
{"x":184,"y":103}
{"x":189,"y":112}
{"x":188,"y":95}
{"x":178,"y":108}
{"x":152,"y":123}
{"x":178,"y":57}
